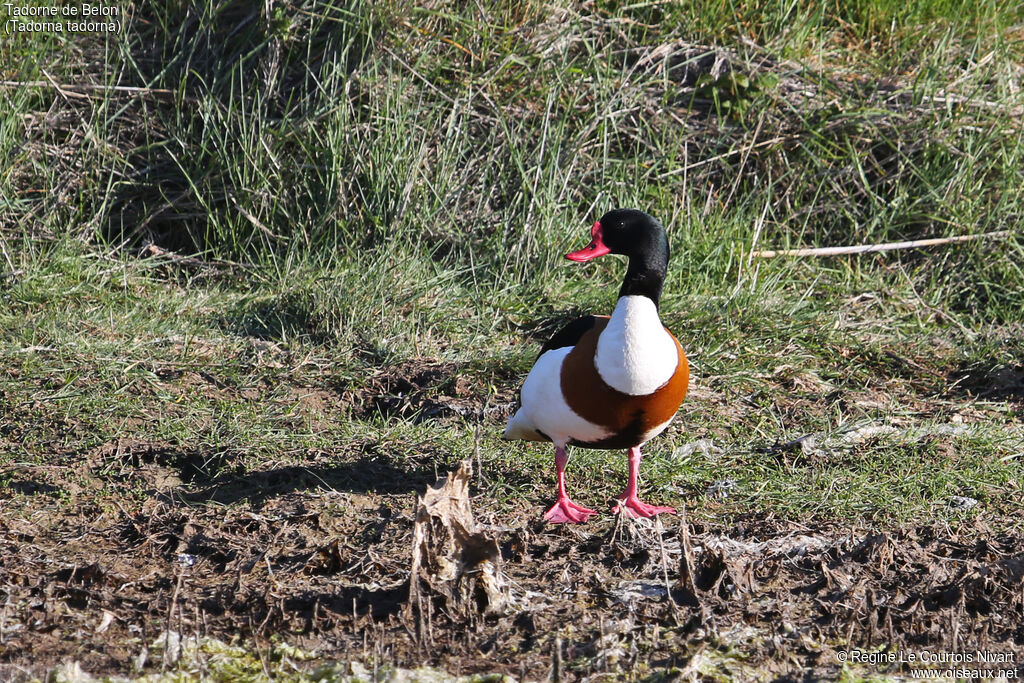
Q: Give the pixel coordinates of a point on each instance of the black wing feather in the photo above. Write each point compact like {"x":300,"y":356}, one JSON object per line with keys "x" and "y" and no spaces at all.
{"x":570,"y":334}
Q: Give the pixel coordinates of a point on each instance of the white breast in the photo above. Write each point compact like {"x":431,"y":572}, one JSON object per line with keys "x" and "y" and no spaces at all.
{"x":635,"y":354}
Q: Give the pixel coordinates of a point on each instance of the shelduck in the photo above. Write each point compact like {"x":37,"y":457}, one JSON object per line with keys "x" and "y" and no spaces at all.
{"x":609,"y":382}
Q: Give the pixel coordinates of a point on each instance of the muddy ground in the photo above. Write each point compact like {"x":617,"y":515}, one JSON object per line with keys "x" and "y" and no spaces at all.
{"x":328,"y":571}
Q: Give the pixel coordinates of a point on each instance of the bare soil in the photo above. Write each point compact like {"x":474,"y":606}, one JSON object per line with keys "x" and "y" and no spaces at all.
{"x":329,"y":572}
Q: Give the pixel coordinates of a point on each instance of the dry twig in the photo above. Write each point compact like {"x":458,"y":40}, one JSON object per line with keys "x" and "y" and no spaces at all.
{"x":871,"y":248}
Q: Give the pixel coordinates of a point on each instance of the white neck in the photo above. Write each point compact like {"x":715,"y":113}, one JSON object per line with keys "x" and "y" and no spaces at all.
{"x":635,"y":354}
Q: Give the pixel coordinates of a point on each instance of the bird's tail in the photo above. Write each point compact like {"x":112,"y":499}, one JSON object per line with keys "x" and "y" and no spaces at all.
{"x":520,"y":429}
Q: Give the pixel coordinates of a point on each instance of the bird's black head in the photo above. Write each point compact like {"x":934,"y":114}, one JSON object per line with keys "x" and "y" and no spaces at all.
{"x":638,"y":236}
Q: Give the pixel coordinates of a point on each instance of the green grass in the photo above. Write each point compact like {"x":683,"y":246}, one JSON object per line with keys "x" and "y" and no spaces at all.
{"x":100,"y":351}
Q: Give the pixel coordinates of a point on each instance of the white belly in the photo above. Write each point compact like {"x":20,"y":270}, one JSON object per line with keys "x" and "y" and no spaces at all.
{"x":545,"y":409}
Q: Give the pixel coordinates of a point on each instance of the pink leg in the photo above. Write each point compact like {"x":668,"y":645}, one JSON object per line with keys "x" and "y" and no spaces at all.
{"x":564,"y":510}
{"x":632,"y":505}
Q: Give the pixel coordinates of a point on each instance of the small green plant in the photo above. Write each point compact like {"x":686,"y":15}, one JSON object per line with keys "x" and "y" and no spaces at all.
{"x":734,"y":93}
